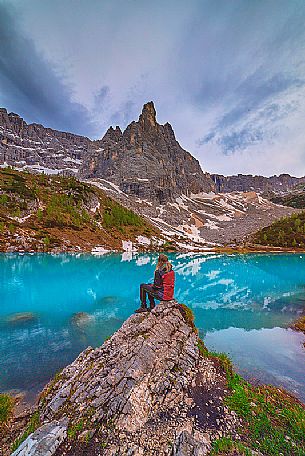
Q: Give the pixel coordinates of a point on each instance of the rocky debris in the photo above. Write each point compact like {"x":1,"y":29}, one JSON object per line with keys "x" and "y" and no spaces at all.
{"x":147,"y":161}
{"x":146,"y":391}
{"x":44,"y":441}
{"x":204,"y":219}
{"x":260,"y":184}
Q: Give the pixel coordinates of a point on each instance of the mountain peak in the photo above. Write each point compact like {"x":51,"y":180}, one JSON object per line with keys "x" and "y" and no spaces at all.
{"x":148,"y":116}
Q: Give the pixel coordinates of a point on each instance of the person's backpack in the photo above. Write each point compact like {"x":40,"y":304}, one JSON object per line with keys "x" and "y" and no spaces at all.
{"x":168,"y":285}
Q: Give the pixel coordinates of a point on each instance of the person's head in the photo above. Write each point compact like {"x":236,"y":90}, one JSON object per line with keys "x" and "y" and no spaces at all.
{"x":162,"y":260}
{"x":167,"y":266}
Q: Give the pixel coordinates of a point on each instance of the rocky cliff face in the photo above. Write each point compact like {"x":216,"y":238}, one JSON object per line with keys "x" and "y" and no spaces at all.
{"x":147,"y":161}
{"x":35,"y":147}
{"x":146,"y":391}
{"x":260,"y":184}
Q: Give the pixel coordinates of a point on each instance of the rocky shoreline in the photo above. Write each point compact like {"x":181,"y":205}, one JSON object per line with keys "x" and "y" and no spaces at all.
{"x":151,"y":389}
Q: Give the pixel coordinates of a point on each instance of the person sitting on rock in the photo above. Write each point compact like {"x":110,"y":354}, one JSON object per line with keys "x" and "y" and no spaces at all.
{"x":163,"y":287}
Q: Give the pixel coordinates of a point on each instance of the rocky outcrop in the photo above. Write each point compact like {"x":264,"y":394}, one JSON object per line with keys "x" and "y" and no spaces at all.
{"x":147,"y":161}
{"x":146,"y":391}
{"x":260,"y":184}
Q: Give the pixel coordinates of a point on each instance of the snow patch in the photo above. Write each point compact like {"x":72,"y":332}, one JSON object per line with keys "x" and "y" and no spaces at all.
{"x":98,"y":250}
{"x":143,"y":240}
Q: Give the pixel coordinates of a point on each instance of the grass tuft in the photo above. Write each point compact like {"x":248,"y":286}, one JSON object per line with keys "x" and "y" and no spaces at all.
{"x":6,"y":408}
{"x":225,"y":444}
{"x":74,"y":429}
{"x":31,"y":427}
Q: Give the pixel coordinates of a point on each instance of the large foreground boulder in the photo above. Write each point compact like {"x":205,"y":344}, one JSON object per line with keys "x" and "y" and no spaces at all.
{"x":146,"y":391}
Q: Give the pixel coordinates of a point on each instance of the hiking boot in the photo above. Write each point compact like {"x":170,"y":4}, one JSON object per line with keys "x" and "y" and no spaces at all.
{"x":141,"y":309}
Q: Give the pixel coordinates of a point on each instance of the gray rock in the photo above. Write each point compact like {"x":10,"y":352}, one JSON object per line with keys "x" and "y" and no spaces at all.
{"x":186,"y":445}
{"x":136,"y":393}
{"x":44,"y":441}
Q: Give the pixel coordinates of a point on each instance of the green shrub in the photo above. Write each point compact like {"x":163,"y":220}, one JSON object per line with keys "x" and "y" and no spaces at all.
{"x":12,"y":228}
{"x":62,"y":210}
{"x":3,"y":199}
{"x":47,"y":242}
{"x":39,"y":215}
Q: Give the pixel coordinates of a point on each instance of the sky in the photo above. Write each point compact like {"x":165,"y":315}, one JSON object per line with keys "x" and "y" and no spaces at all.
{"x":229,"y":75}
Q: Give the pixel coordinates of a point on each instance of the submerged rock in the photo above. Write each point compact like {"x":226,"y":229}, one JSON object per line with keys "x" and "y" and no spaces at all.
{"x":109,"y":300}
{"x":22,"y":317}
{"x":81,"y":319}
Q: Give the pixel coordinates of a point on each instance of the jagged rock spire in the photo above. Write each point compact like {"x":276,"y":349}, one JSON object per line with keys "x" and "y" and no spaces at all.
{"x":148,"y":116}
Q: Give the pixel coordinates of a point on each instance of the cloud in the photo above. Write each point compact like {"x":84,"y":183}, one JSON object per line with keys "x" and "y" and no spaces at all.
{"x":228,"y":76}
{"x":30,"y":86}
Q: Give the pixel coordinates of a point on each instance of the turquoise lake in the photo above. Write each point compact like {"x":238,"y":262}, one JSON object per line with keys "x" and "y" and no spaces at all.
{"x":242,"y":304}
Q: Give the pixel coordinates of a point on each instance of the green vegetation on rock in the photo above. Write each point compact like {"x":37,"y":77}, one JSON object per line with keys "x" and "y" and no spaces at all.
{"x":188,"y":315}
{"x":274,"y":421}
{"x":6,"y":407}
{"x":75,"y":429}
{"x":118,"y":216}
{"x":45,"y":212}
{"x":33,"y":424}
{"x":286,"y":232}
{"x":225,"y":445}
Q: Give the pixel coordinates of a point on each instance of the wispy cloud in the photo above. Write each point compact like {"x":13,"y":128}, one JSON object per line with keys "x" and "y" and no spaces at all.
{"x":29,"y":84}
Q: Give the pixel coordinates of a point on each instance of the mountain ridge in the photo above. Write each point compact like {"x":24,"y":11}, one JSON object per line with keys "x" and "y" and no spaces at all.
{"x":43,"y":149}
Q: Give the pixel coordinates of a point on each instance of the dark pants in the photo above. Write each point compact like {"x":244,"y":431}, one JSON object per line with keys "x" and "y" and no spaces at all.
{"x":152,"y":292}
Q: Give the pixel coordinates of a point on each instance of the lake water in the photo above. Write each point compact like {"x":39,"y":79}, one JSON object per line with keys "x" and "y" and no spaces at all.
{"x":242,"y":304}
